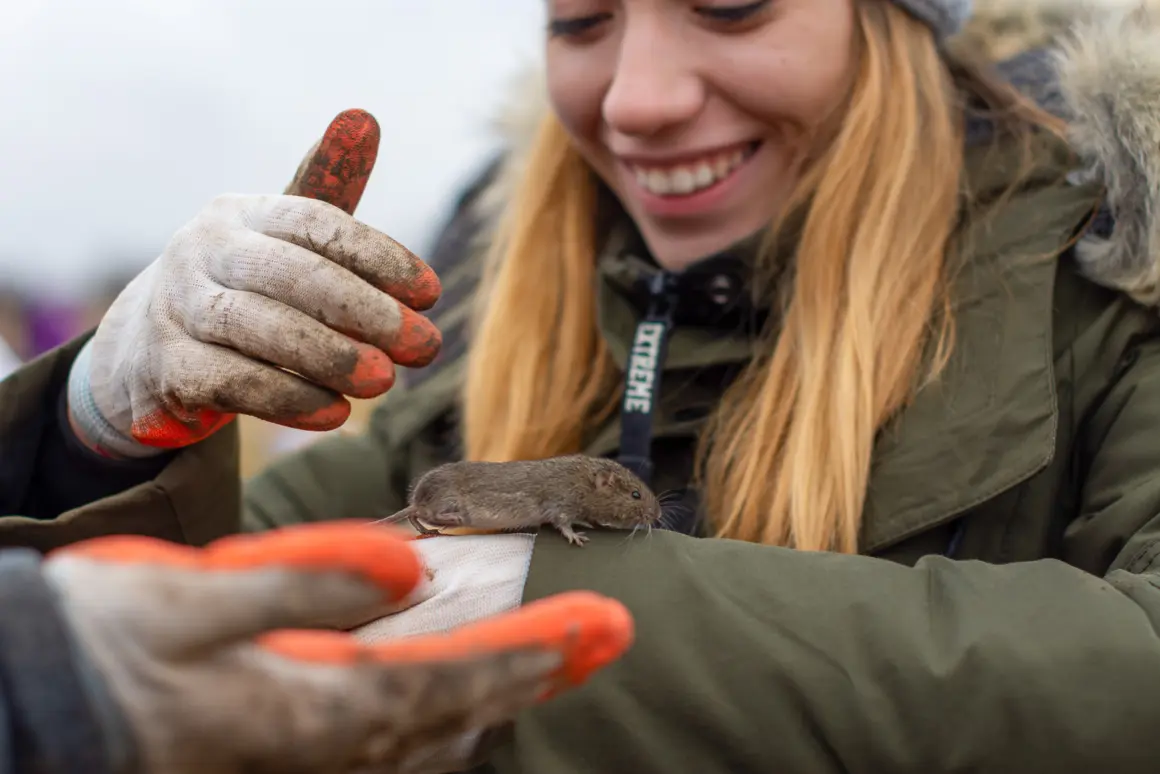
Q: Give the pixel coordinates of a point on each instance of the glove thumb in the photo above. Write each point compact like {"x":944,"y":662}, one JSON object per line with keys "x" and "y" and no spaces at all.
{"x":337,"y":168}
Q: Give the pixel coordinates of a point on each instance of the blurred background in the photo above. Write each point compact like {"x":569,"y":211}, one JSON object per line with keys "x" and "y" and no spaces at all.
{"x":121,"y":119}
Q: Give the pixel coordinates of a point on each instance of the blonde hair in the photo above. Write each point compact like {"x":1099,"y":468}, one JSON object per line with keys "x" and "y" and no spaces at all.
{"x":785,"y":459}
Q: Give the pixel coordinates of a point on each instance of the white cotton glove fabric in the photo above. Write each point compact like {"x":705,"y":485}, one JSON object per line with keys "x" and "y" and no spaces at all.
{"x":272,"y":306}
{"x":472,"y":577}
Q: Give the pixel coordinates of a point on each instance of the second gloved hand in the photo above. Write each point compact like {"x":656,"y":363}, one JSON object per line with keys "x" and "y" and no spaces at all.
{"x":199,"y":654}
{"x":272,"y":306}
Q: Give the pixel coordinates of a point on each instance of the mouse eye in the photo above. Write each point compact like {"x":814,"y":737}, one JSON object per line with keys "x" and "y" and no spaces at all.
{"x":635,"y":494}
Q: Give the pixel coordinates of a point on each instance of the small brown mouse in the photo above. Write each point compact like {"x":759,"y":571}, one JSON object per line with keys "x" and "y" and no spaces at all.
{"x":563,"y":492}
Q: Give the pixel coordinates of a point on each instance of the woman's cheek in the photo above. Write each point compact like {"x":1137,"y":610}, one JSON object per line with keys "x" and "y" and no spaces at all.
{"x":576,"y":88}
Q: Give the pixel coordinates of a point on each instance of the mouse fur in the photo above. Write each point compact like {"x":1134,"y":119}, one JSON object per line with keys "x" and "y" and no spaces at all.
{"x":564,"y":492}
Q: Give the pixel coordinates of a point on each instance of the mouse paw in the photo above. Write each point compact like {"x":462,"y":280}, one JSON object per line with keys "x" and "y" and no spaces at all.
{"x":574,"y":537}
{"x":423,"y":530}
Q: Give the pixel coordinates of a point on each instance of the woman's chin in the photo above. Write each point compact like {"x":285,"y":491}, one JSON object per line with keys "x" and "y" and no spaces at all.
{"x":676,"y":250}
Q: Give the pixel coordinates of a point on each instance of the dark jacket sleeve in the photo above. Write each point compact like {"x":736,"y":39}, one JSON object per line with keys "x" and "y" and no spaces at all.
{"x":53,"y":491}
{"x":754,"y":659}
{"x":46,"y":470}
{"x":55,"y":716}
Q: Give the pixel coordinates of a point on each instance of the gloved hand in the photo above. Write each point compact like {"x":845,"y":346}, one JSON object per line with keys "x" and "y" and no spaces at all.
{"x":185,"y":642}
{"x":273,"y":306}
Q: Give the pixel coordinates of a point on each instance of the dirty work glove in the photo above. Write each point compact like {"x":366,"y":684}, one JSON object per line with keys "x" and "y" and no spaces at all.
{"x":273,"y":306}
{"x":205,"y":673}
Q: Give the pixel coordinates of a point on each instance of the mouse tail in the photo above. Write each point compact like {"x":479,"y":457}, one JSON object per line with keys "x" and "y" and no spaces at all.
{"x":410,"y":513}
{"x":415,"y":516}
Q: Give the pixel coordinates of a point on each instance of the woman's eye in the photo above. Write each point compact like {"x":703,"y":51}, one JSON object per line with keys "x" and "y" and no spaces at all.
{"x":732,"y":13}
{"x":573,"y":28}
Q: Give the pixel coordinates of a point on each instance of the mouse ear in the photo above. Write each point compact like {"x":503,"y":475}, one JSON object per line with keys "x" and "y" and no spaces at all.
{"x":605,"y":479}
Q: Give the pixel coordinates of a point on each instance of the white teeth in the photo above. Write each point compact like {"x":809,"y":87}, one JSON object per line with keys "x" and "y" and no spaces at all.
{"x":705,"y":176}
{"x":684,"y":180}
{"x":658,"y":182}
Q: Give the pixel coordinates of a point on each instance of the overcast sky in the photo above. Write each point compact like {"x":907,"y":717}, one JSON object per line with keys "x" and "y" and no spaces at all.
{"x":120,"y":119}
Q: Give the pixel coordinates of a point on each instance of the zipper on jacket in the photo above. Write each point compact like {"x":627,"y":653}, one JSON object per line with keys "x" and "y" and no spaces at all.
{"x":642,"y":377}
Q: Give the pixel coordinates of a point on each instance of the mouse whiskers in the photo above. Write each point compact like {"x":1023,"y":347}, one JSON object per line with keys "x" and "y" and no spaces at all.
{"x":671,"y":512}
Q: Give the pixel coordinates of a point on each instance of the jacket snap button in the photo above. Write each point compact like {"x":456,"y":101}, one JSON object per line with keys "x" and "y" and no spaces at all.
{"x":721,"y":289}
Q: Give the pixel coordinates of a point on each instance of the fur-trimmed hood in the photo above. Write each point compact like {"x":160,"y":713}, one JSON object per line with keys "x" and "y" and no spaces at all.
{"x":1102,"y":74}
{"x":1109,"y":76}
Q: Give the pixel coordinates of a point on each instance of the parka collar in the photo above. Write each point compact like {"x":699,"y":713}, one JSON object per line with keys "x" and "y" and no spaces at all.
{"x":989,"y":422}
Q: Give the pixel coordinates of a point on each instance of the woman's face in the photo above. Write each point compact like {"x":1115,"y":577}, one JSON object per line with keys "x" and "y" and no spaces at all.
{"x":696,"y":112}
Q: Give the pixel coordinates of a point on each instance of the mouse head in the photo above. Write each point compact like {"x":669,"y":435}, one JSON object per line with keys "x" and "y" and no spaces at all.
{"x":628,"y":502}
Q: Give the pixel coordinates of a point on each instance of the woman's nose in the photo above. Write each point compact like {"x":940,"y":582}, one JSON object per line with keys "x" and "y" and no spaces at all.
{"x":654,"y":87}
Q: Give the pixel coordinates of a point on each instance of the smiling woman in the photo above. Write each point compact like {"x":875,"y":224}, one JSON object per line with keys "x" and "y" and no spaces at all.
{"x":852,"y":128}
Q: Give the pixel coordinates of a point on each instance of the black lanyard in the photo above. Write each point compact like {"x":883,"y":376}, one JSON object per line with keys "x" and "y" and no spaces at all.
{"x":642,"y":377}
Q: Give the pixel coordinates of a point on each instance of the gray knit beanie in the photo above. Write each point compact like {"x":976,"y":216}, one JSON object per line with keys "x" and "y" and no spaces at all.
{"x":945,"y":17}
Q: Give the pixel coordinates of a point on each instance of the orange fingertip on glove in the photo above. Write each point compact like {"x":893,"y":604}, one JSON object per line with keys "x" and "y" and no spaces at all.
{"x":587,"y":629}
{"x":163,"y":430}
{"x":380,"y":554}
{"x":341,"y":165}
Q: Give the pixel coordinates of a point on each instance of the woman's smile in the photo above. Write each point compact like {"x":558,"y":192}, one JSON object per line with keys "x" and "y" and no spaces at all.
{"x":690,"y":184}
